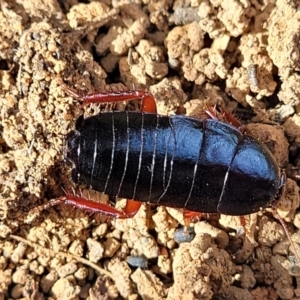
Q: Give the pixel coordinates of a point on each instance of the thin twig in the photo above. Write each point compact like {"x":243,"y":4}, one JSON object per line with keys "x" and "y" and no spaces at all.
{"x":50,"y":252}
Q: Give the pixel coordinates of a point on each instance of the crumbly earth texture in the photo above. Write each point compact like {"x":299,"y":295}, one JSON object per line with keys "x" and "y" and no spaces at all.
{"x":241,"y":55}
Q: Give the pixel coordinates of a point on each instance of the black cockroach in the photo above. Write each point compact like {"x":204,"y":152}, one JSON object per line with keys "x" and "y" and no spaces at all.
{"x":205,"y":166}
{"x":202,"y":166}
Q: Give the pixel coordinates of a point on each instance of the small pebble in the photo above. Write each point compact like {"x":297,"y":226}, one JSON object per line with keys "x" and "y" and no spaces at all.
{"x":16,"y":291}
{"x":138,"y":261}
{"x":184,"y":235}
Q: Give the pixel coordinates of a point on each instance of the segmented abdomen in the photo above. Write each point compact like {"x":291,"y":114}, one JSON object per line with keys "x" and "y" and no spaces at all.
{"x":171,"y":161}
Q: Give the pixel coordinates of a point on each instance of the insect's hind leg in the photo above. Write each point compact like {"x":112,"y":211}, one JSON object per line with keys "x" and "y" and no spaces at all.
{"x":191,"y":216}
{"x":224,"y":116}
{"x":148,"y":101}
{"x":90,"y":206}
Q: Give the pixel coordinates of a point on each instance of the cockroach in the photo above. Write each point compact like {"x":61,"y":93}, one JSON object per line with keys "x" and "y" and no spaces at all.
{"x":199,"y":165}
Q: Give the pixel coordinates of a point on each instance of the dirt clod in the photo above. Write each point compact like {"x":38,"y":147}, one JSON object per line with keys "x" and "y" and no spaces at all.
{"x":242,"y":56}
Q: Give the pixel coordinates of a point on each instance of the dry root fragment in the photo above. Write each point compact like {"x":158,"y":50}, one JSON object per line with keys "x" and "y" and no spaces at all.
{"x":49,"y":252}
{"x":185,"y":15}
{"x":252,"y":76}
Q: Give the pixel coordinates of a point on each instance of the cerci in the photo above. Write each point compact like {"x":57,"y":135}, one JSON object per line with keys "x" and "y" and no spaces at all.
{"x":202,"y":166}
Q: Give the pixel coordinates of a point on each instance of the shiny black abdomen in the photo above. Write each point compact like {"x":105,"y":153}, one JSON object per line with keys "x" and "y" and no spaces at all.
{"x":201,"y":165}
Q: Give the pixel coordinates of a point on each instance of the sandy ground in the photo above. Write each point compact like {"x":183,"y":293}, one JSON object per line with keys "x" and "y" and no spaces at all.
{"x":242,"y":55}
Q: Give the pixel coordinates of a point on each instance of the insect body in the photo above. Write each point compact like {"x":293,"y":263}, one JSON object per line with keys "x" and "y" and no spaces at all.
{"x":200,"y":165}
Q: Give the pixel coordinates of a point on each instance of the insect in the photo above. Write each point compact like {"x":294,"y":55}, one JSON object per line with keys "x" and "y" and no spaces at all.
{"x":200,"y":165}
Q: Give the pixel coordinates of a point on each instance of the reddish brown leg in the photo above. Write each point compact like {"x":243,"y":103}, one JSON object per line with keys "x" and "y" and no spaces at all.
{"x":148,"y":101}
{"x":244,"y":225}
{"x":190,"y":216}
{"x":130,"y":210}
{"x":224,"y":116}
{"x":149,"y":104}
